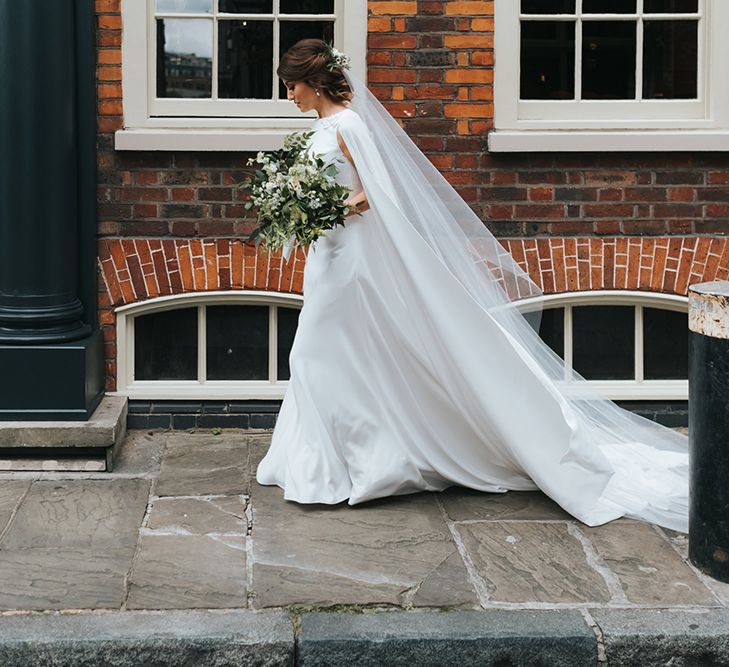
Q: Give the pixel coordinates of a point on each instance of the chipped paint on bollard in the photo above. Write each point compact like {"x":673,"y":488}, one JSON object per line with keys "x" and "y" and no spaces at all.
{"x":709,"y":428}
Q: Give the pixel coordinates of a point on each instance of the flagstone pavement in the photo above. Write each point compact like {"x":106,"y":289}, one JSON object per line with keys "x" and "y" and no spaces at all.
{"x":182,"y":524}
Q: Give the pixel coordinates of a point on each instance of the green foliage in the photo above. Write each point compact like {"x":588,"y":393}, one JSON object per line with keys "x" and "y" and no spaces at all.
{"x":295,"y":193}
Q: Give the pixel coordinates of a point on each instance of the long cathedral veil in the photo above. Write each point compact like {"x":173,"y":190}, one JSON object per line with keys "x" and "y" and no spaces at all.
{"x":648,"y":461}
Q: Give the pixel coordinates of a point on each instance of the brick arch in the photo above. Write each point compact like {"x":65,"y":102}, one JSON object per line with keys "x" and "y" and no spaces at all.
{"x":138,"y":269}
{"x":655,"y":264}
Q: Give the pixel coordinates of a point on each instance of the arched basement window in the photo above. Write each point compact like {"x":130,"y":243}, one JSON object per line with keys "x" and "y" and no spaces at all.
{"x":630,"y":345}
{"x":227,"y":345}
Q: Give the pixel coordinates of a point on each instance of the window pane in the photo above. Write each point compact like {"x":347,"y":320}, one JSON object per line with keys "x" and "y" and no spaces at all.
{"x":665,"y":344}
{"x":292,"y":31}
{"x":547,"y":6}
{"x":165,"y":345}
{"x":288,"y":320}
{"x":551,"y":329}
{"x":184,"y":57}
{"x":608,"y":60}
{"x":237,"y":342}
{"x":608,"y":6}
{"x":307,"y":7}
{"x":670,"y":65}
{"x":670,"y":6}
{"x":245,"y":59}
{"x":246,"y":6}
{"x":603,"y":339}
{"x":547,"y":60}
{"x":184,"y":6}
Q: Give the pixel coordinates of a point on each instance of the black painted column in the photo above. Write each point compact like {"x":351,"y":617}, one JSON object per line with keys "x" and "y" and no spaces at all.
{"x":51,"y":351}
{"x":709,"y":428}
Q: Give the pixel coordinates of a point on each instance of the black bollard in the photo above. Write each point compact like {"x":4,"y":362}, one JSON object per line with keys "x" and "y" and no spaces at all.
{"x":709,"y":428}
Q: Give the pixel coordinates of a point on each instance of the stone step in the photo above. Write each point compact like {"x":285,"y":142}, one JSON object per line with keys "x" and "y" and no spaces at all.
{"x":66,"y":445}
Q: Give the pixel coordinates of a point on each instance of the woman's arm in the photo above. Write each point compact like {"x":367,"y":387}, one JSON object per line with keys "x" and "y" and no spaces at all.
{"x":358,"y":201}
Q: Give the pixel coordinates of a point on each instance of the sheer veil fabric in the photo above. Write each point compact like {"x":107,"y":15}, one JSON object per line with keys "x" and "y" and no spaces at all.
{"x":507,"y":415}
{"x":636,"y":467}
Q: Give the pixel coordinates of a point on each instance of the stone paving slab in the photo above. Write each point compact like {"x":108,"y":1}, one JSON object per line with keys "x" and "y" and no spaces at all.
{"x":204,"y":465}
{"x":646,"y":567}
{"x":83,"y":513}
{"x":167,"y":639}
{"x":463,"y":638}
{"x":63,"y":578}
{"x":469,"y":505}
{"x":530,"y":561}
{"x":199,"y":515}
{"x":374,"y":553}
{"x":189,"y":572}
{"x":11,"y":492}
{"x":70,"y":544}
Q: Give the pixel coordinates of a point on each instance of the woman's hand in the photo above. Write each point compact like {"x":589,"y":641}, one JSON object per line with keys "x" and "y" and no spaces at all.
{"x":358,"y":204}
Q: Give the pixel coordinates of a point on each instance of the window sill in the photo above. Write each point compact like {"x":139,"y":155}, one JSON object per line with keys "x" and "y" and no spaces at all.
{"x":506,"y":141}
{"x":163,"y":139}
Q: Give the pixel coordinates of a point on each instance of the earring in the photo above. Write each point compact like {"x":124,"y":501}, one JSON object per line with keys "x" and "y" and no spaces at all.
{"x":317,"y":93}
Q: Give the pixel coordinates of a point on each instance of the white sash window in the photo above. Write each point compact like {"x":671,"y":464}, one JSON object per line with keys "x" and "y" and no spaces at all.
{"x":201,"y":74}
{"x":611,"y":75}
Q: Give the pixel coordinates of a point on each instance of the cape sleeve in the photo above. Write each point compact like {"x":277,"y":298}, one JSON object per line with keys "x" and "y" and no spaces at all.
{"x":368,"y":162}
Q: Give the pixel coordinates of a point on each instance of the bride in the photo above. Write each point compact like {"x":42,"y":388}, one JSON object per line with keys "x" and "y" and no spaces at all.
{"x":417,"y":364}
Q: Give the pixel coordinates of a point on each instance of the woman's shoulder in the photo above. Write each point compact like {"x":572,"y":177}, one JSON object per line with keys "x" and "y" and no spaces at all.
{"x":349,"y":118}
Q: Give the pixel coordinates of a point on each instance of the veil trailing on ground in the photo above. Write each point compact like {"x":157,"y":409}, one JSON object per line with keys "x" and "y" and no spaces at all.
{"x":643,"y":465}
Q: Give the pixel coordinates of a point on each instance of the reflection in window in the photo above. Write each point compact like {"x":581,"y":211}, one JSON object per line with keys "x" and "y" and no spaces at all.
{"x":547,"y":60}
{"x":604,"y":342}
{"x":609,"y":6}
{"x":184,"y":6}
{"x":165,"y":345}
{"x":551,"y":329}
{"x":245,"y":57}
{"x":670,"y":6}
{"x":246,"y":6}
{"x":669,"y":69}
{"x":307,"y":6}
{"x":608,"y":59}
{"x":184,"y":63}
{"x":237,"y":343}
{"x":665,"y":344}
{"x":547,"y":6}
{"x":288,"y":320}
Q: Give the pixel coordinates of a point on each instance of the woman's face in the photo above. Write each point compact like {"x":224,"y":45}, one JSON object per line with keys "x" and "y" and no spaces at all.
{"x":302,"y":94}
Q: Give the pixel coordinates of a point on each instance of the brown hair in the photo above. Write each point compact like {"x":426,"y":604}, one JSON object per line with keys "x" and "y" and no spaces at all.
{"x":307,"y":61}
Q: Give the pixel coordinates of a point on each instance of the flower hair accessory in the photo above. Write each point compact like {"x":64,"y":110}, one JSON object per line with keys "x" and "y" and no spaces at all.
{"x":337,"y":58}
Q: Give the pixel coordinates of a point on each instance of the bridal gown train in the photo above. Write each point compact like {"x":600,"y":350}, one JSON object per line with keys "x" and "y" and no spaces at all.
{"x":401,"y":382}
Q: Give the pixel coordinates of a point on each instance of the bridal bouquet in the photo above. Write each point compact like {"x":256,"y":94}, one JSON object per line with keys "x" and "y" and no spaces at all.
{"x":296,"y":194}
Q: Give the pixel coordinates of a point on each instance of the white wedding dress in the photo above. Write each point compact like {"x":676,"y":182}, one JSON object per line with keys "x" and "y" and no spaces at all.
{"x":401,"y":382}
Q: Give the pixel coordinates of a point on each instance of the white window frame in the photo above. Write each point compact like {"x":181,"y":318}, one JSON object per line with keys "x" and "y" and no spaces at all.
{"x":638,"y":388}
{"x":224,"y":125}
{"x":201,"y":388}
{"x":612,"y":125}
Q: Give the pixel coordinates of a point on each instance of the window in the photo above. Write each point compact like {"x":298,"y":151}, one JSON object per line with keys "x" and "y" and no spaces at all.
{"x":611,"y":75}
{"x":212,"y":345}
{"x":201,"y":74}
{"x":628,"y":344}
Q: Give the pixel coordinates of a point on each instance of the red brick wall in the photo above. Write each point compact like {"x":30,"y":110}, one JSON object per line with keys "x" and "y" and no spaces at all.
{"x":431,"y":63}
